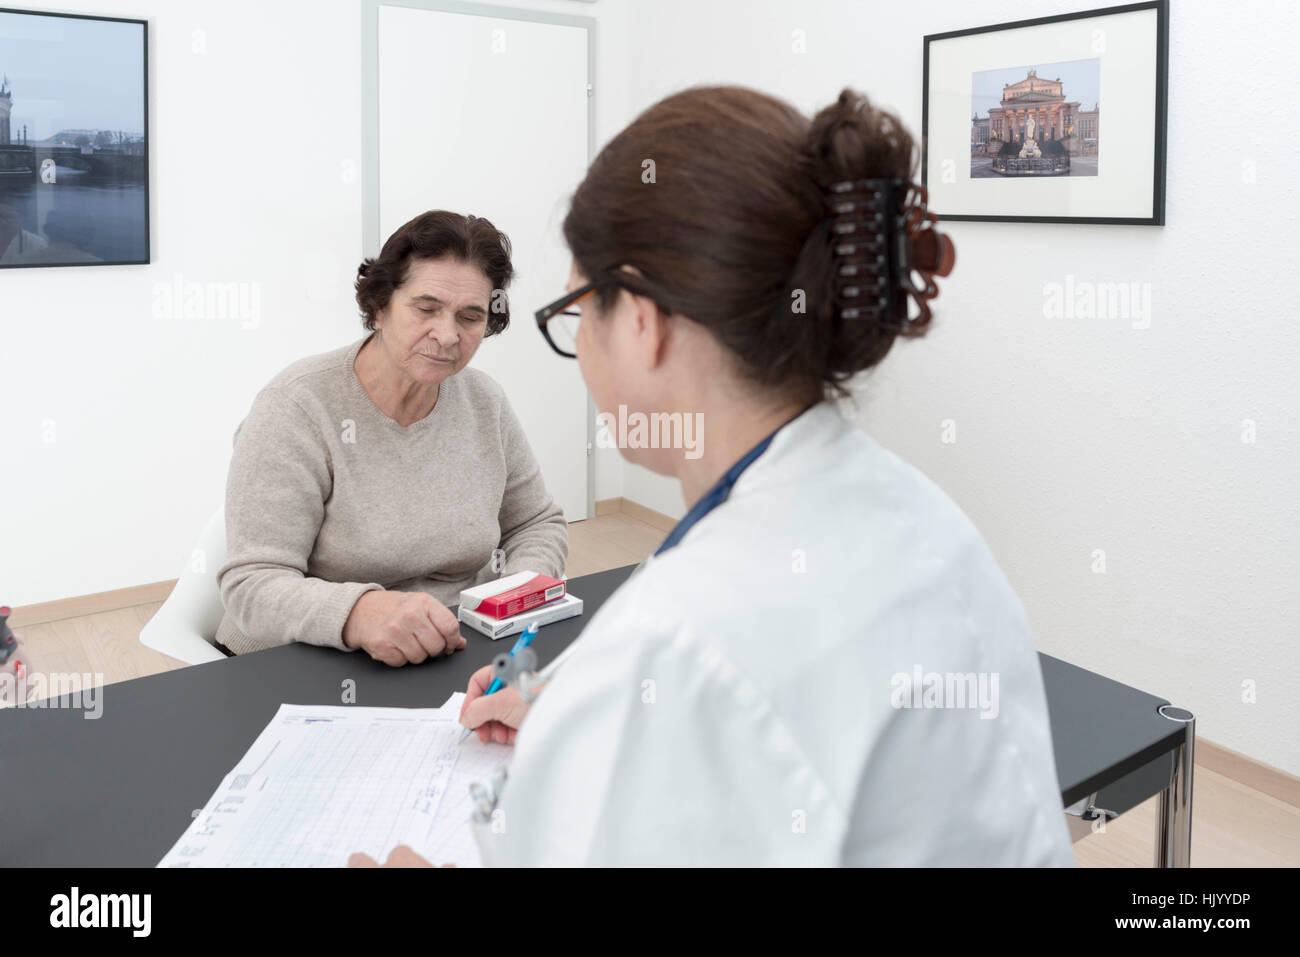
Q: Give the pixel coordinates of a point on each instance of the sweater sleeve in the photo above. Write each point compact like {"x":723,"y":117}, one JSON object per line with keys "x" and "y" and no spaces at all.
{"x":280,"y":478}
{"x":534,"y":534}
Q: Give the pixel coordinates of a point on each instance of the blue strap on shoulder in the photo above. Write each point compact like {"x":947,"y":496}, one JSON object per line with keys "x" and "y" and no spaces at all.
{"x":720,"y":492}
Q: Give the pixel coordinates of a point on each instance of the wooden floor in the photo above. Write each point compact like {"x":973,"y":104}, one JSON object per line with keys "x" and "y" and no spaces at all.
{"x":1235,"y":825}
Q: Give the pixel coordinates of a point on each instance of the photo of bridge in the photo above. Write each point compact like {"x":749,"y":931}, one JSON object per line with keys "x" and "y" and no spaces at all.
{"x":73,"y":146}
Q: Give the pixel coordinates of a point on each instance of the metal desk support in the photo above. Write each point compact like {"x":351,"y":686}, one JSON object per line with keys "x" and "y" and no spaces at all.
{"x":1174,"y":821}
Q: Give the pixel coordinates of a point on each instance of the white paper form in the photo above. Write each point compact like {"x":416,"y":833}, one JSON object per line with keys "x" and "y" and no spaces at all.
{"x":321,"y":782}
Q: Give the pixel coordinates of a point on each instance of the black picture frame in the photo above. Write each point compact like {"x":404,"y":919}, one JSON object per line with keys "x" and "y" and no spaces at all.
{"x":126,"y":170}
{"x":1160,"y":132}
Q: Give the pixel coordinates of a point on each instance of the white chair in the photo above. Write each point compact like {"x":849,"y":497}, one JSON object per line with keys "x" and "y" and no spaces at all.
{"x":186,"y":624}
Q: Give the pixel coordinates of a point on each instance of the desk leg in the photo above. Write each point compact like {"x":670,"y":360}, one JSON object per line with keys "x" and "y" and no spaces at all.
{"x":1174,"y":822}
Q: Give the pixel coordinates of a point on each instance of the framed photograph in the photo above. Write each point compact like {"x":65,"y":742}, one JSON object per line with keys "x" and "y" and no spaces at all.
{"x":1012,"y":125}
{"x":74,"y":140}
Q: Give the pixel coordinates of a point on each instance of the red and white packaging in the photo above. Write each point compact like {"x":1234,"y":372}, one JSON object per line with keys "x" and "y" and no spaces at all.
{"x":512,"y":595}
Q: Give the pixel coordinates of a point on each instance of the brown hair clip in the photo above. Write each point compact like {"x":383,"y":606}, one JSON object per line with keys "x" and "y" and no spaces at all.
{"x":883,"y":237}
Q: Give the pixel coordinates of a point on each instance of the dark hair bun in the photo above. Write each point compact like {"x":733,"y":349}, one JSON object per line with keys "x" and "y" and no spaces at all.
{"x":849,"y":140}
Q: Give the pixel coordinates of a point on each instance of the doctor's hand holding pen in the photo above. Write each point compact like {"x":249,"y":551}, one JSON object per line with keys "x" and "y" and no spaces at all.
{"x":496,"y":717}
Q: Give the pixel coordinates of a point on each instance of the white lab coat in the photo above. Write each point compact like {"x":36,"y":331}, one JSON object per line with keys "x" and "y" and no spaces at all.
{"x":731,"y":703}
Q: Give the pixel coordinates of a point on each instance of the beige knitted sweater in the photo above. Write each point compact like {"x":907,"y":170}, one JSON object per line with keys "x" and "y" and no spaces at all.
{"x":328,"y":498}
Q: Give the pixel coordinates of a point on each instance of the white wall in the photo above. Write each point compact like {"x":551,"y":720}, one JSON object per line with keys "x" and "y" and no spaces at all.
{"x":255,"y":121}
{"x":1081,"y":435}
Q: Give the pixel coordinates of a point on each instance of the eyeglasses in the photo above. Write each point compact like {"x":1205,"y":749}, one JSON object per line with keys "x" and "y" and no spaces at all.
{"x":558,"y":322}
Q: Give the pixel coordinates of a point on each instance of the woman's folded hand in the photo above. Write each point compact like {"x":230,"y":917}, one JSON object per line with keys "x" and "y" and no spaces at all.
{"x":398,"y":627}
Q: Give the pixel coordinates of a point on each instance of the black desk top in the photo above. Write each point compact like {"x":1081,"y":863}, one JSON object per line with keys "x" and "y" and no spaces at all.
{"x":121,"y":789}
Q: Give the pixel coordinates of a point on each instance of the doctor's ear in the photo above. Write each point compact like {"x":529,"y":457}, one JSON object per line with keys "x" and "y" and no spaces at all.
{"x":650,"y":324}
{"x":651,"y":330}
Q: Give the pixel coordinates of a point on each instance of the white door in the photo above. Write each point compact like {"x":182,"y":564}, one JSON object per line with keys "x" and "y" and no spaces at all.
{"x":483,"y":115}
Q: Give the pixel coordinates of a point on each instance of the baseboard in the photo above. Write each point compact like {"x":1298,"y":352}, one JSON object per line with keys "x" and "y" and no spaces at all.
{"x":1246,"y":770}
{"x":76,"y":607}
{"x":608,"y":506}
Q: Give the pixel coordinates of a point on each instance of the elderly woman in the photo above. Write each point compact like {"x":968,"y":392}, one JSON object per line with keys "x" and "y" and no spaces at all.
{"x":370,"y":484}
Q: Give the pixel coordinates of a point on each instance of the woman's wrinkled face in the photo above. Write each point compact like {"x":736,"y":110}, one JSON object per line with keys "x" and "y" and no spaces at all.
{"x":436,"y":318}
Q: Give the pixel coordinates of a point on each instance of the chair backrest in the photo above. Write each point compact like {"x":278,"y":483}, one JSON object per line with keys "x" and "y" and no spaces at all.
{"x":208,"y":557}
{"x":185,"y":626}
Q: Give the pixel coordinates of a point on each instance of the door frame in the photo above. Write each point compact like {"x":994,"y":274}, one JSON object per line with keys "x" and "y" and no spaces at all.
{"x":370,"y":238}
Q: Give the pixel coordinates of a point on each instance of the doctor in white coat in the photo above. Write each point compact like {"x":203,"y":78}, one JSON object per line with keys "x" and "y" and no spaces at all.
{"x":823,"y":663}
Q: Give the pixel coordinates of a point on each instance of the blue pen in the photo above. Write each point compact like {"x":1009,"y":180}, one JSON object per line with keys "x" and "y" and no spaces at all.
{"x":497,"y":684}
